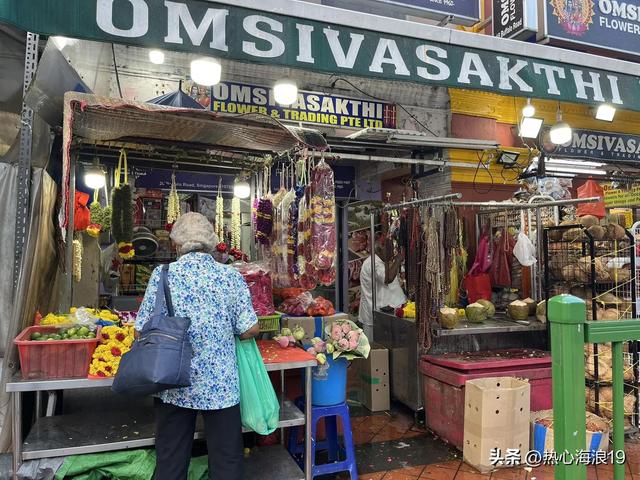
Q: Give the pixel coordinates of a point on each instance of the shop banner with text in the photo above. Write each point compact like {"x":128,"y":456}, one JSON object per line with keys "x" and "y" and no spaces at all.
{"x":311,"y":107}
{"x":467,"y":9}
{"x":609,"y":24}
{"x":598,"y":145}
{"x":617,"y":197}
{"x":251,"y":35}
{"x":187,"y":182}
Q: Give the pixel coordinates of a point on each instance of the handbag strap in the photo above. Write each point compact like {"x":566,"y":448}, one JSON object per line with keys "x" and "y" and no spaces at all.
{"x":165,"y":293}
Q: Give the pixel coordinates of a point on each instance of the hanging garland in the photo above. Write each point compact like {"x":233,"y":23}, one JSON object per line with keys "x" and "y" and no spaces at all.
{"x":122,"y":210}
{"x":264,"y":211}
{"x":76,"y":264}
{"x":235,"y":223}
{"x":100,"y":216}
{"x":173,"y":202}
{"x":219,"y":224}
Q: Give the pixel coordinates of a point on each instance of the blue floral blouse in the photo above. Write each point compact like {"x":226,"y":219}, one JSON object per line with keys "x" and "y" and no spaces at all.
{"x":216,"y":299}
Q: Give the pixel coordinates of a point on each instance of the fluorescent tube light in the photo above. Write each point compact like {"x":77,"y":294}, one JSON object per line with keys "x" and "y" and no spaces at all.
{"x":587,"y":171}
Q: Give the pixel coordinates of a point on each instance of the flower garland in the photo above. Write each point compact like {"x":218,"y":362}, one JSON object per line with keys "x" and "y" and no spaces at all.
{"x":219,"y":227}
{"x":122,"y":211}
{"x":114,"y":342}
{"x":235,"y":223}
{"x":77,"y":259}
{"x":173,"y":203}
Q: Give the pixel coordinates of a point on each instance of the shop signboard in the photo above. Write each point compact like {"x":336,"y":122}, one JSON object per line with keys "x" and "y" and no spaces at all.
{"x":618,"y":197}
{"x":464,"y":12}
{"x":600,"y":24}
{"x":227,"y":31}
{"x":193,"y":182}
{"x":516,"y":19}
{"x":597,"y":145}
{"x":311,"y":107}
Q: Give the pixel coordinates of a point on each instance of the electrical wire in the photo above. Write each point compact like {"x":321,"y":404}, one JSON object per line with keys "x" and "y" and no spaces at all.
{"x":348,"y":82}
{"x":475,"y":175}
{"x":115,"y":66}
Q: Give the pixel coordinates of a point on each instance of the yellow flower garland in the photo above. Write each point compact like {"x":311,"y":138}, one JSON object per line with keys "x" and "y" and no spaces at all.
{"x":114,"y":342}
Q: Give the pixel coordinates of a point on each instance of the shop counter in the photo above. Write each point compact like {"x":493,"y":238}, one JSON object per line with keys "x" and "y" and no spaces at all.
{"x":76,"y":434}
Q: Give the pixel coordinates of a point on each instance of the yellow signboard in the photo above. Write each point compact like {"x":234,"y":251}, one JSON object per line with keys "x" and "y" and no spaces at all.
{"x":617,"y":197}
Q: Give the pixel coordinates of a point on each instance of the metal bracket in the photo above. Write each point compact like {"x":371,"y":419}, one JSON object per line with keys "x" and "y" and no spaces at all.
{"x":24,"y":157}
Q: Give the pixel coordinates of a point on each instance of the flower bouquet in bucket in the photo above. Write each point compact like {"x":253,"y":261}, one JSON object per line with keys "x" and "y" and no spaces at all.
{"x":343,"y":342}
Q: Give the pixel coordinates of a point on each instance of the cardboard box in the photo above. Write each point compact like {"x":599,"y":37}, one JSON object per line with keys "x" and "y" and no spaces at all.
{"x":496,"y":416}
{"x":368,"y":380}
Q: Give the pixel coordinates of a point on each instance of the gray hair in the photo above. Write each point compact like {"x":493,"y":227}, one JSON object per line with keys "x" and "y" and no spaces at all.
{"x":193,"y":232}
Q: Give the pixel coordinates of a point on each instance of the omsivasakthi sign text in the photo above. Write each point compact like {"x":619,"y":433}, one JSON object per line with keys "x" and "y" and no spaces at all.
{"x":251,"y":35}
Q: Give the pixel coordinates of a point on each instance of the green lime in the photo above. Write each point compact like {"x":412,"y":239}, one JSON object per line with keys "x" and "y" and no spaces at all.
{"x":49,"y":339}
{"x":72,"y":331}
{"x":83,"y":331}
{"x":56,"y":337}
{"x":36,"y":335}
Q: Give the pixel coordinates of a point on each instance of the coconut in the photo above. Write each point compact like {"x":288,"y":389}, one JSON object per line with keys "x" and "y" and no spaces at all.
{"x":448,"y":317}
{"x":574,"y":234}
{"x":569,"y":273}
{"x":532,"y":305}
{"x":616,"y":232}
{"x":608,"y":299}
{"x":620,"y":275}
{"x":589,"y":220}
{"x":610,"y":314}
{"x":476,"y":313}
{"x":541,"y":311}
{"x":597,"y":232}
{"x":518,"y":310}
{"x":491,"y":309}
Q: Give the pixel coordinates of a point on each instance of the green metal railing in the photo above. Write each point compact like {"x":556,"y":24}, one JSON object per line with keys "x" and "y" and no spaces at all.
{"x":569,"y":332}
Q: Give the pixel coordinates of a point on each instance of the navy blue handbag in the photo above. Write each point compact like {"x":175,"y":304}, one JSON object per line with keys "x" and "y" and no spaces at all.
{"x":160,"y":359}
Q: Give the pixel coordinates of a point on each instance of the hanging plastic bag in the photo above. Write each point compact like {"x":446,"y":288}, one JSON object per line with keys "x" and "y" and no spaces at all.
{"x":81,"y":214}
{"x":524,"y":251}
{"x":258,"y":278}
{"x":259,"y":407}
{"x":591,"y":188}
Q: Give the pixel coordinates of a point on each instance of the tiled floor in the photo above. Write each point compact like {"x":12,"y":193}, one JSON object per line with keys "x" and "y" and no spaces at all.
{"x":390,"y":446}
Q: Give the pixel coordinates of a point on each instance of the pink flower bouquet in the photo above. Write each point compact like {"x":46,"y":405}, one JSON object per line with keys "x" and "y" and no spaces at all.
{"x":344,"y":339}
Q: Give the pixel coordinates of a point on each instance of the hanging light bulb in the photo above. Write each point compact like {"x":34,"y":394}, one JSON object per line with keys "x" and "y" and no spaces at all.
{"x":561,"y":132}
{"x":285,"y":92}
{"x":241,"y":187}
{"x":206,"y":71}
{"x":94,"y":176}
{"x":528,"y":110}
{"x":156,"y":56}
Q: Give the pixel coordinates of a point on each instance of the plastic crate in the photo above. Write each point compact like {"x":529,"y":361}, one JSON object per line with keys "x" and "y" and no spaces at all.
{"x":270,"y":323}
{"x":54,"y":358}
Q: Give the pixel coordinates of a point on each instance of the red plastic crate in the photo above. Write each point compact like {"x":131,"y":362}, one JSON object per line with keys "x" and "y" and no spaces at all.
{"x":54,"y":358}
{"x":444,"y":378}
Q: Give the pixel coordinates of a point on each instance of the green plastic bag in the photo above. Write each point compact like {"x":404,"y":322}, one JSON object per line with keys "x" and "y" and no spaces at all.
{"x":259,"y":406}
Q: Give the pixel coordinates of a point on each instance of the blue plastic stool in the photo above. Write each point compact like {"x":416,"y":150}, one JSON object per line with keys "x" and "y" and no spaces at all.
{"x":330,"y":415}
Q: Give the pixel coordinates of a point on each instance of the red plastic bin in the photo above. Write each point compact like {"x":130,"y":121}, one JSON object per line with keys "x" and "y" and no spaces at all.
{"x":54,"y":358}
{"x":444,"y":378}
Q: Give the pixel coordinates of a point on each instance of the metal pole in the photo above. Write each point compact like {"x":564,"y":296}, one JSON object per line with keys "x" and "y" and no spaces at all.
{"x":16,"y":423}
{"x":67,"y":298}
{"x":618,"y":410}
{"x":567,"y":317}
{"x":372,"y":259}
{"x":416,"y":203}
{"x":308,"y":474}
{"x":500,"y":206}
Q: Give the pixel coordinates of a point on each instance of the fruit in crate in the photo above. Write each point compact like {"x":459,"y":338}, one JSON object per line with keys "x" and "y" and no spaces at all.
{"x":476,"y":313}
{"x":73,"y":333}
{"x":448,"y":317}
{"x":491,"y":309}
{"x":518,"y":310}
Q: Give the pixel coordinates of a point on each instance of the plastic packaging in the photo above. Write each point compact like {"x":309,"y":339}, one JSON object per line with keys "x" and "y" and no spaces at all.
{"x":297,"y":306}
{"x":258,"y":278}
{"x":321,"y":307}
{"x":524,"y":251}
{"x":591,"y":188}
{"x":259,"y":406}
{"x":322,"y":206}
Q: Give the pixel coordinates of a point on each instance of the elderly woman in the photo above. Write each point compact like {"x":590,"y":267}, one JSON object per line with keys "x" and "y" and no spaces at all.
{"x":216,"y":299}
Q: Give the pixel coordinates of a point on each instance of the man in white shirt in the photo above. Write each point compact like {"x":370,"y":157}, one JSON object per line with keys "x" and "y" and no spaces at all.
{"x":389,"y":293}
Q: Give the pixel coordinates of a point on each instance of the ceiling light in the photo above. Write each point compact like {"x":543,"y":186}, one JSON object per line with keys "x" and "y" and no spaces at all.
{"x":94,"y":176}
{"x":560,"y":133}
{"x":528,"y":110}
{"x":605,"y":112}
{"x":206,"y":71}
{"x":575,"y":163}
{"x":587,"y":171}
{"x":241,"y":188}
{"x":285,"y":92}
{"x":156,"y":56}
{"x":530,"y":127}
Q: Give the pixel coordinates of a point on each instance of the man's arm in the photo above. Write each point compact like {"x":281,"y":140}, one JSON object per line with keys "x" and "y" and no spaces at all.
{"x":391,"y":269}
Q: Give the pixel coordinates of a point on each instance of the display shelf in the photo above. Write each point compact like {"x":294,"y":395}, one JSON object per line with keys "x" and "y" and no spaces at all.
{"x":499,"y":324}
{"x":72,"y":434}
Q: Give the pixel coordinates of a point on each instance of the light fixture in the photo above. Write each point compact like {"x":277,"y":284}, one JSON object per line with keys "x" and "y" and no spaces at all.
{"x":530,"y":127}
{"x":206,"y":71}
{"x":156,"y":56}
{"x":62,"y":42}
{"x":285,"y":92}
{"x":605,"y":112}
{"x":528,"y":110}
{"x":94,"y":176}
{"x":560,"y":133}
{"x":567,"y":169}
{"x":241,"y":187}
{"x":575,"y":163}
{"x":508,"y":158}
